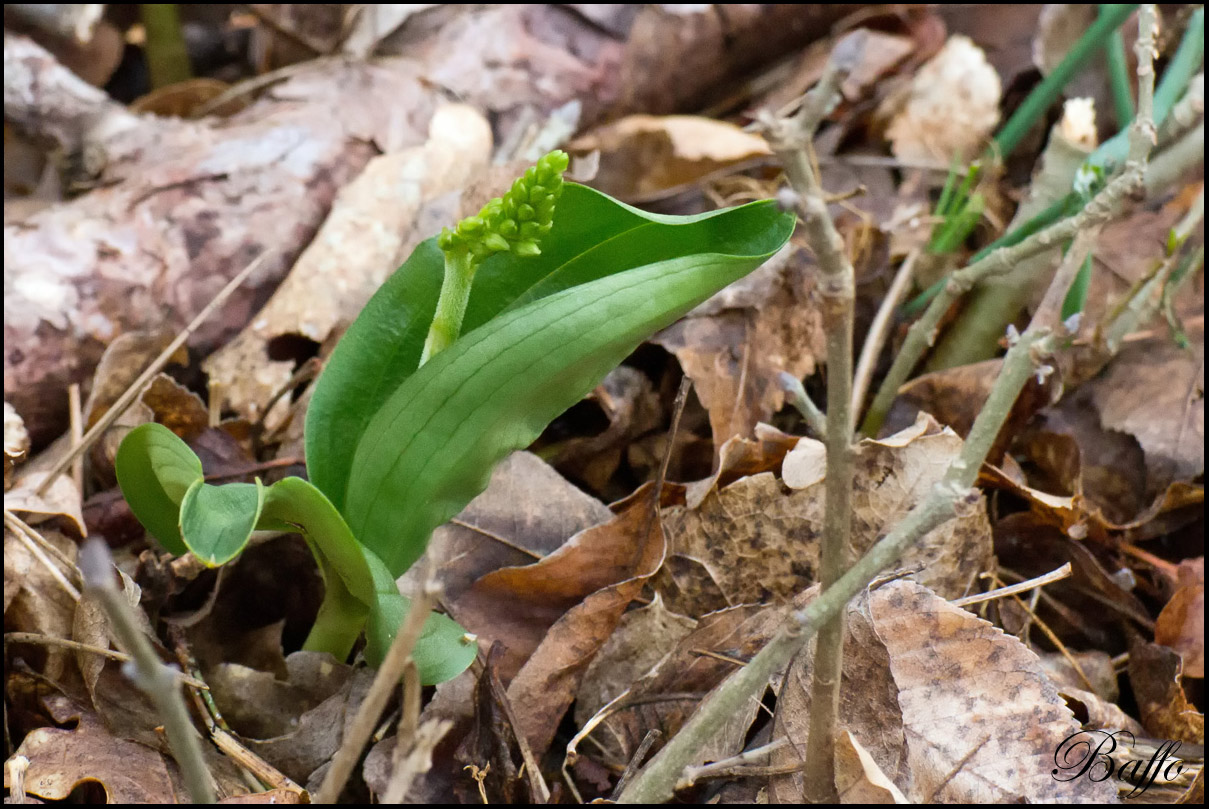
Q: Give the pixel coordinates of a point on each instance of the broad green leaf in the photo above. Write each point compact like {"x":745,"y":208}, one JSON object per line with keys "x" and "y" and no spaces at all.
{"x":217,"y":521}
{"x":155,"y":469}
{"x":593,"y":237}
{"x":431,"y":447}
{"x":444,"y":649}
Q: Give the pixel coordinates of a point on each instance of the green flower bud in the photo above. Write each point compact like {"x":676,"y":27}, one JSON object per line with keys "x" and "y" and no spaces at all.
{"x":518,"y":220}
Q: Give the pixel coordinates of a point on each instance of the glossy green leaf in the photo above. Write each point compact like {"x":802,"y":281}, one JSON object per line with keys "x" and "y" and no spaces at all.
{"x":217,"y":521}
{"x":431,"y":447}
{"x":155,"y":469}
{"x":444,"y":649}
{"x":593,"y":237}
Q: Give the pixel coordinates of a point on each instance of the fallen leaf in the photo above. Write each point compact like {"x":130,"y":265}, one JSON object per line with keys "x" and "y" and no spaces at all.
{"x":982,"y":721}
{"x":642,"y":638}
{"x":1156,"y":676}
{"x":16,"y":442}
{"x":646,"y":157}
{"x":858,"y":779}
{"x":526,"y":512}
{"x":735,"y":344}
{"x":60,"y":760}
{"x":1181,"y":625}
{"x":752,"y":541}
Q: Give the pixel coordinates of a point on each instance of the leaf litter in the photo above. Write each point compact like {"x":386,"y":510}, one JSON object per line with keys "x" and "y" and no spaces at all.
{"x":601,"y":624}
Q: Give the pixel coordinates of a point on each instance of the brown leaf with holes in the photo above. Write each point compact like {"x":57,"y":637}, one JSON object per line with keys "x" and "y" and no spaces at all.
{"x":982,"y":721}
{"x":734,"y":345}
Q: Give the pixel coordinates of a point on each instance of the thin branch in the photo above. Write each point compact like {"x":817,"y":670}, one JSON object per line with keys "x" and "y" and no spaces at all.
{"x":161,"y":682}
{"x":1024,"y":586}
{"x":880,"y":328}
{"x":790,"y":141}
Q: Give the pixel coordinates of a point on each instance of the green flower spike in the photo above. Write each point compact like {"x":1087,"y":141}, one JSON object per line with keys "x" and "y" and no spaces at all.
{"x":513,"y":223}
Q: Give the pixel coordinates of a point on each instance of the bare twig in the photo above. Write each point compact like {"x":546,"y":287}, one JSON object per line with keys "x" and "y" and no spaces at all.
{"x":1024,"y":586}
{"x":136,"y":388}
{"x":76,"y":426}
{"x":384,"y":684}
{"x":656,"y":782}
{"x":33,"y":542}
{"x":879,"y":329}
{"x":160,"y":682}
{"x":815,"y":419}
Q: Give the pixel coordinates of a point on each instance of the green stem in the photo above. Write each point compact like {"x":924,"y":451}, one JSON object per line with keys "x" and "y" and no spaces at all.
{"x":167,"y":56}
{"x":1118,"y":74}
{"x":339,"y":621}
{"x":451,"y":305}
{"x":1044,"y":94}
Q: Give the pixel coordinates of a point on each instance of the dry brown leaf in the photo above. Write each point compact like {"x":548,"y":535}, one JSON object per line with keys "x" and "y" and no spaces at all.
{"x":259,"y":705}
{"x":734,"y":345}
{"x":35,"y":600}
{"x":950,"y":107}
{"x":528,"y":510}
{"x":667,"y":695}
{"x":1155,"y":391}
{"x":752,"y":541}
{"x":1156,"y":675}
{"x":982,"y":720}
{"x":61,"y":760}
{"x":1181,"y":626}
{"x":518,"y":605}
{"x":642,"y":638}
{"x":374,"y":223}
{"x":645,"y":157}
{"x":858,"y":779}
{"x":546,"y":684}
{"x":1095,"y":712}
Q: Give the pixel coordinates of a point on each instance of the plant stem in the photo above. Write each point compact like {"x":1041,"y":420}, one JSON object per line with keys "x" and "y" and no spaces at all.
{"x":167,"y":56}
{"x":656,"y":782}
{"x":878,"y":330}
{"x":1044,"y":94}
{"x":791,"y":143}
{"x":160,"y":682}
{"x":1118,"y":74}
{"x":451,"y":305}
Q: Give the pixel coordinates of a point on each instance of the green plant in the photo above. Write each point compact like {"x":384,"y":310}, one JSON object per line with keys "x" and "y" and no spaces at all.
{"x":484,"y":336}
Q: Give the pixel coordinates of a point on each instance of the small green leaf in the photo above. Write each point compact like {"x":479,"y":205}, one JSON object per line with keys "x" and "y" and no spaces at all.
{"x":155,"y":469}
{"x":217,"y":521}
{"x":444,"y":649}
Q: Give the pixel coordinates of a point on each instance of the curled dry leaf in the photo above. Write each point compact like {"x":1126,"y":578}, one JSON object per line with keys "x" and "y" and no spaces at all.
{"x":374,"y":223}
{"x":645,"y":157}
{"x":858,"y":779}
{"x":1181,"y":624}
{"x":950,"y":107}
